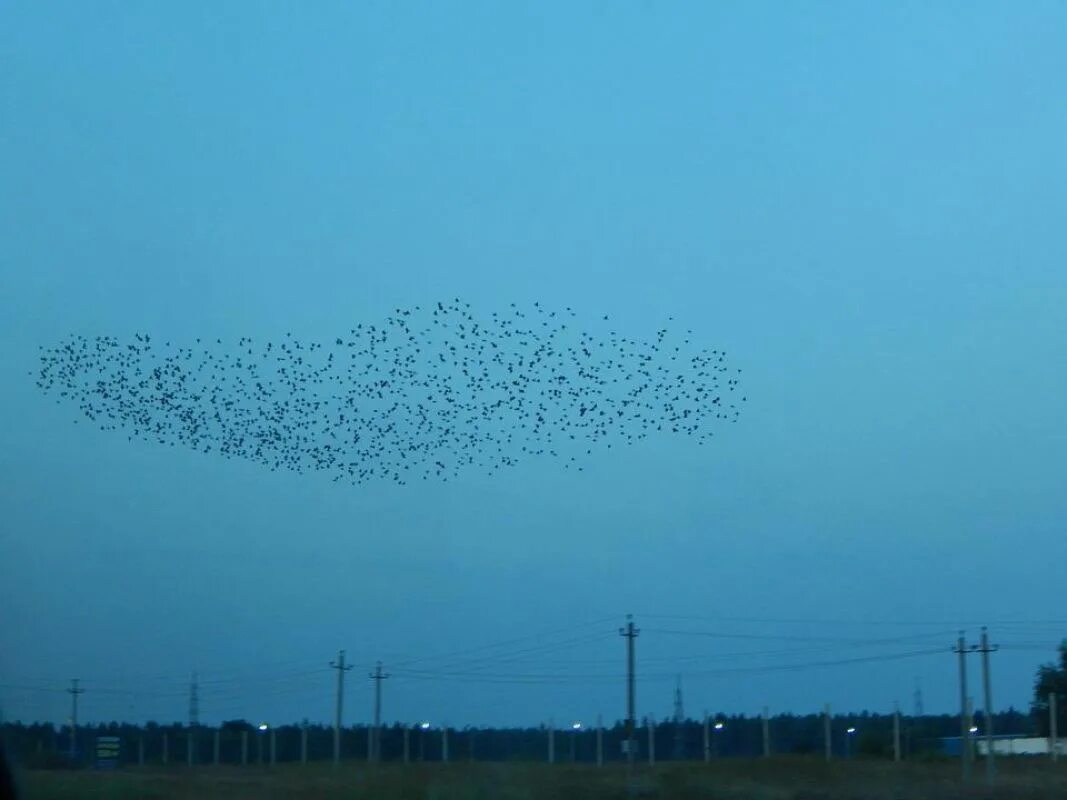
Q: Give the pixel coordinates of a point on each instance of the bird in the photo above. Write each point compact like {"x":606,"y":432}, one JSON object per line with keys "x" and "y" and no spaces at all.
{"x":410,"y":396}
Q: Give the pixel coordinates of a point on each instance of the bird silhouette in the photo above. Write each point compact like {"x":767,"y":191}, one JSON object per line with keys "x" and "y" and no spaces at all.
{"x":427,"y":393}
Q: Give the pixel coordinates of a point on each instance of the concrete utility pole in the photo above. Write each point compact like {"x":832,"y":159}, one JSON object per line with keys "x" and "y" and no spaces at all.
{"x":273,"y":746}
{"x":651,"y":725}
{"x":985,"y":649}
{"x":166,"y":747}
{"x":1053,"y":733}
{"x":896,"y":732}
{"x":74,"y":691}
{"x":194,"y":719}
{"x":630,"y":633}
{"x":972,"y":742}
{"x":551,"y":742}
{"x":407,"y":744}
{"x":304,"y":742}
{"x":444,"y":743}
{"x":707,"y":738}
{"x":766,"y":733}
{"x":244,"y":748}
{"x":965,"y":733}
{"x":339,"y":665}
{"x":140,"y":750}
{"x":218,"y":736}
{"x":599,"y":741}
{"x":827,"y":741}
{"x":376,"y":748}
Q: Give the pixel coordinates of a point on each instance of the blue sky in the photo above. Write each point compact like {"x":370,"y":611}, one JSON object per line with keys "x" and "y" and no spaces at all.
{"x":861,"y":203}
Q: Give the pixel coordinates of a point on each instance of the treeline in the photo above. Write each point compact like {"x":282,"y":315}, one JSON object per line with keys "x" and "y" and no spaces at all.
{"x":739,"y":737}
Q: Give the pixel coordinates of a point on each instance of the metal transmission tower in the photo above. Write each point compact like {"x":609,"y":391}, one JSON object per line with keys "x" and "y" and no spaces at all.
{"x":630,"y":633}
{"x":74,"y":692}
{"x":679,"y":721}
{"x":376,"y":742}
{"x":918,"y":697}
{"x":339,"y":665}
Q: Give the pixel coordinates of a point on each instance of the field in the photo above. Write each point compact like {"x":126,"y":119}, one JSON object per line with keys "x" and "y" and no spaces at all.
{"x":795,"y":778}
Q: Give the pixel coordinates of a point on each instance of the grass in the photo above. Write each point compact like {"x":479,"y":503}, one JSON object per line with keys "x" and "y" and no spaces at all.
{"x":794,"y":778}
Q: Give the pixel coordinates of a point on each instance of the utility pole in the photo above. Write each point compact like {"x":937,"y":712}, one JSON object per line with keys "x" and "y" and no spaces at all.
{"x":407,"y":744}
{"x":599,"y":741}
{"x":985,"y":649}
{"x":827,"y":741}
{"x":896,"y":732}
{"x":679,"y":721}
{"x":551,"y":742}
{"x":707,"y":738}
{"x":973,"y":740}
{"x":1053,"y":738}
{"x":215,"y":753}
{"x":74,"y":692}
{"x":377,"y":676}
{"x":444,"y":743}
{"x":965,"y":733}
{"x":651,"y":725}
{"x":630,"y":633}
{"x":339,"y":665}
{"x":194,"y":717}
{"x":304,"y":742}
{"x":766,"y":733}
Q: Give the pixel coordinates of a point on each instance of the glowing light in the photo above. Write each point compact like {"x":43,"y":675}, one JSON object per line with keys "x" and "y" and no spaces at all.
{"x":263,"y":726}
{"x":850,"y":731}
{"x":719,"y":726}
{"x":577,"y":726}
{"x":425,"y":725}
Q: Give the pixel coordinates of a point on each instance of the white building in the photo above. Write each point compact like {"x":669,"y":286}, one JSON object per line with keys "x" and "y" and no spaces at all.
{"x":1012,"y":745}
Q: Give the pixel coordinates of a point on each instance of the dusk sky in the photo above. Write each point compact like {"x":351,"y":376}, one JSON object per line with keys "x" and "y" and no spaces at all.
{"x":863,"y":204}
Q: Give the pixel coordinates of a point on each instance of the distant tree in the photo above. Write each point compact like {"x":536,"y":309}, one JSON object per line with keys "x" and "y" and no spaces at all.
{"x":1051,"y":678}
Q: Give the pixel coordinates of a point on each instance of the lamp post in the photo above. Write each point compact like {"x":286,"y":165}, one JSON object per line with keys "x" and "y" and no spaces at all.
{"x":423,"y":727}
{"x":719,"y":727}
{"x":263,"y":727}
{"x":849,"y":733}
{"x":577,"y":726}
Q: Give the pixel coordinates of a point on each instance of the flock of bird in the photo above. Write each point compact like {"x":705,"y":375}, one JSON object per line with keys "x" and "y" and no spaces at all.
{"x":428,"y":393}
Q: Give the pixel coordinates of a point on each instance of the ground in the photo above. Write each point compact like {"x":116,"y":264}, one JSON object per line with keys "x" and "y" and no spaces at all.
{"x":774,"y":779}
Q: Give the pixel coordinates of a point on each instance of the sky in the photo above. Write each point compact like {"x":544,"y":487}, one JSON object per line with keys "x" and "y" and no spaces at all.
{"x":862,"y":203}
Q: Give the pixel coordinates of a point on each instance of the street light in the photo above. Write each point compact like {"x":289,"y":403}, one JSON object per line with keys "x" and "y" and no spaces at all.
{"x":263,"y":727}
{"x":719,"y":726}
{"x":423,"y":727}
{"x":577,"y":726}
{"x":849,"y":733}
